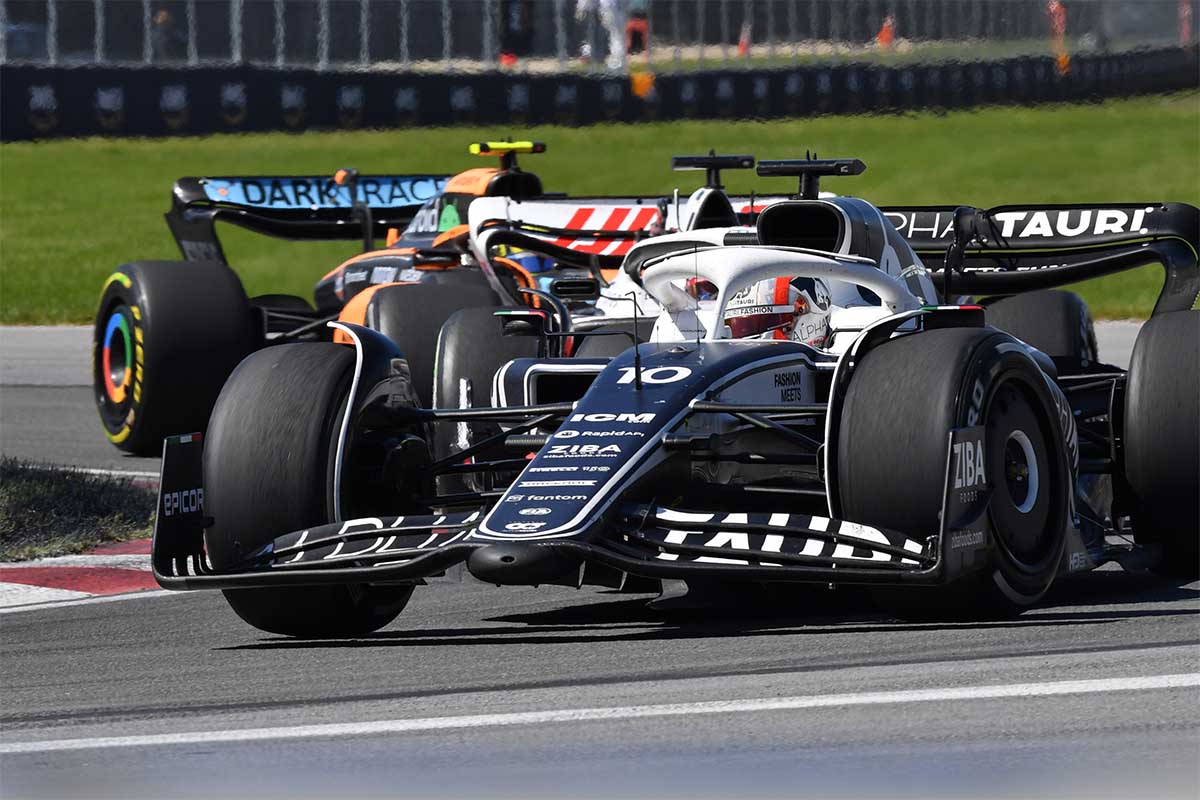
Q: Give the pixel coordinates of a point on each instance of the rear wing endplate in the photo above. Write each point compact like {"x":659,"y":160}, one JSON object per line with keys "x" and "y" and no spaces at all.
{"x":1026,"y":248}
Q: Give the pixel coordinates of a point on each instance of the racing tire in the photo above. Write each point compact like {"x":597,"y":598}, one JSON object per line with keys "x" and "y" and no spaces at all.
{"x":412,"y":316}
{"x":1162,"y":439}
{"x":167,"y":335}
{"x":904,"y":398}
{"x":470,"y":347}
{"x":613,"y":346}
{"x":269,"y":470}
{"x":1056,"y":322}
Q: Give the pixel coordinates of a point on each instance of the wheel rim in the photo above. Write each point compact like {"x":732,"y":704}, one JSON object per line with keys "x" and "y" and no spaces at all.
{"x":1021,"y":472}
{"x":115,"y":365}
{"x":1022,"y":508}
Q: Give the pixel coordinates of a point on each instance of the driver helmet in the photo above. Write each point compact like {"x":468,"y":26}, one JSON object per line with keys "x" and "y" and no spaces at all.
{"x":795,"y":309}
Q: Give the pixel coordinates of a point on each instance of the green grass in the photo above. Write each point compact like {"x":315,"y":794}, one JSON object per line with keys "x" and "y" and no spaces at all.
{"x":48,"y":511}
{"x":71,"y":211}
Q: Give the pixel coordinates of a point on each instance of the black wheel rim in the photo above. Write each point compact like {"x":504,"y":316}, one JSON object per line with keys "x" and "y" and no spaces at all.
{"x":1019,"y":459}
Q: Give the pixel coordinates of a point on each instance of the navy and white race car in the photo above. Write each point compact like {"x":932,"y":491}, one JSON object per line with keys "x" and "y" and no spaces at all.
{"x":807,"y":407}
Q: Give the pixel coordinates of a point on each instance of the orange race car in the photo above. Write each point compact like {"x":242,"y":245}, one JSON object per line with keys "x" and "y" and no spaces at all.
{"x":168,"y":333}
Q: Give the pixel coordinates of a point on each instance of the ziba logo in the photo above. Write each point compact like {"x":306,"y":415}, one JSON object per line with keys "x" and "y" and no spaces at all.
{"x":583,"y":450}
{"x":968,"y":464}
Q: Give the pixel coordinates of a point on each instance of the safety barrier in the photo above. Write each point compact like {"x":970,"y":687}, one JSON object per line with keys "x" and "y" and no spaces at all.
{"x":54,"y":101}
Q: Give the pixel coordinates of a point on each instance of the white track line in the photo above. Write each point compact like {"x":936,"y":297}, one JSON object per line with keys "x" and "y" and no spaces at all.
{"x":384,"y":727}
{"x":139,"y":561}
{"x":84,"y":600}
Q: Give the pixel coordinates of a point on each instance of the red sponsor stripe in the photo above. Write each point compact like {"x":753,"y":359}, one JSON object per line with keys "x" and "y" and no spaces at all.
{"x":93,"y":580}
{"x":613,"y":223}
{"x":137,"y":547}
{"x":781,"y":291}
{"x":640,"y":222}
{"x":576,"y":222}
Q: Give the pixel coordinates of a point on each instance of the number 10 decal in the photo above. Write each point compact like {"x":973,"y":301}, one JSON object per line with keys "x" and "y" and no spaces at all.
{"x":654,"y":374}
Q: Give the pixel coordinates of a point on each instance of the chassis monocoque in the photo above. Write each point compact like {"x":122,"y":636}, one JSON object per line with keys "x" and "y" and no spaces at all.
{"x":921,"y":448}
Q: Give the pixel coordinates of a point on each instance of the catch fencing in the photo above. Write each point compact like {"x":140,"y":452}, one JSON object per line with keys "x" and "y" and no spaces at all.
{"x":171,"y":67}
{"x":569,"y":35}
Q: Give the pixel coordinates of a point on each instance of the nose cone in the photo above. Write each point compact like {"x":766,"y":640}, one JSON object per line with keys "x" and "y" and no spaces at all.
{"x":521,"y":564}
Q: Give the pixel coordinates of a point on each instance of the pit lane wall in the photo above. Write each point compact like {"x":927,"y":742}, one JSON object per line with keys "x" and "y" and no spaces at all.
{"x":50,"y":102}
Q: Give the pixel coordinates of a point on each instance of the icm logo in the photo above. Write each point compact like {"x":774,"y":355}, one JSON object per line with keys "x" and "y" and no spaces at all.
{"x":968,"y":464}
{"x":635,"y":419}
{"x":524,"y":526}
{"x":534,"y":512}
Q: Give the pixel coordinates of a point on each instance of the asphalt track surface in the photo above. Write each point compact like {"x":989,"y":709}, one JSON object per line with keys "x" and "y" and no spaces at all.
{"x":524,"y":692}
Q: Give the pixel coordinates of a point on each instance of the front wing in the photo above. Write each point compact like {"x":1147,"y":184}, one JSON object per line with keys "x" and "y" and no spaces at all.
{"x":640,"y":540}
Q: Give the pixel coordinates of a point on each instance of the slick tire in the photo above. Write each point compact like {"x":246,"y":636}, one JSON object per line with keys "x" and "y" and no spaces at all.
{"x":1162,"y":439}
{"x":412,"y":315}
{"x":469,"y":351}
{"x":613,"y":346}
{"x":1056,"y":322}
{"x":903,"y":400}
{"x":269,"y":470}
{"x":167,"y":335}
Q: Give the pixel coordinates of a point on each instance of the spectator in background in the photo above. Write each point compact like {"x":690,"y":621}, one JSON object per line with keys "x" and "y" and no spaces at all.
{"x":638,"y":29}
{"x":165,"y":37}
{"x":612,"y":19}
{"x":516,"y":30}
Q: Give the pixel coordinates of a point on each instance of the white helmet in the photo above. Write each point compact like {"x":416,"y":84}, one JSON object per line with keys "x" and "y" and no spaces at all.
{"x":781,"y":308}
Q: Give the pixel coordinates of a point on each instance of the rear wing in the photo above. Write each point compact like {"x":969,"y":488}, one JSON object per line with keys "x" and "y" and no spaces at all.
{"x":291,"y":207}
{"x":1027,"y":248}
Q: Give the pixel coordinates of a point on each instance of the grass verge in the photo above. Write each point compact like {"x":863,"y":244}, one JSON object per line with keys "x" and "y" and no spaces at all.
{"x":50,"y":511}
{"x":71,"y":211}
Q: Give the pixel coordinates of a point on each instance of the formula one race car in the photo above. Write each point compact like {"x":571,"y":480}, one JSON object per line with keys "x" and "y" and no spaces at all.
{"x":168,"y":334}
{"x":808,"y":409}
